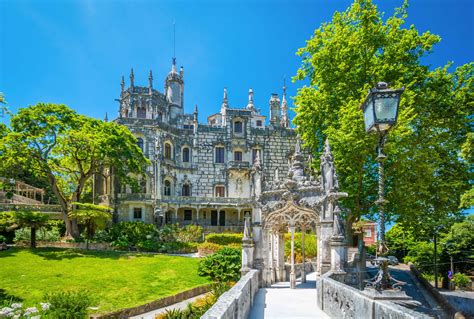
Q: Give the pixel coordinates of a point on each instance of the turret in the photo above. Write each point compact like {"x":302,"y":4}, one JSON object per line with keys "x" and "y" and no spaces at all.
{"x":275,"y":110}
{"x":174,"y":88}
{"x":250,"y":105}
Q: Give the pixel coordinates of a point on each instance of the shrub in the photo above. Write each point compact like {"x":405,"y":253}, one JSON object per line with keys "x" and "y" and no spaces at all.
{"x":3,"y":239}
{"x":42,"y":234}
{"x":421,"y":255}
{"x":189,"y":233}
{"x":310,"y":248}
{"x":224,"y":239}
{"x":128,"y":234}
{"x":177,"y":248}
{"x":461,"y":280}
{"x":68,"y":304}
{"x":223,"y":266}
{"x":371,"y":249}
{"x":207,"y":248}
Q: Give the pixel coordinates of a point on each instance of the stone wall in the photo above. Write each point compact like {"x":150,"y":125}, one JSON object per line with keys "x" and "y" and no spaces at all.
{"x":237,"y":302}
{"x":339,"y":300}
{"x":309,"y":267}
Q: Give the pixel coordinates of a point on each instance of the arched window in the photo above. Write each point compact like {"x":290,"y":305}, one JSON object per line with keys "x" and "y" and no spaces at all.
{"x":238,"y":127}
{"x":167,"y":150}
{"x":220,"y":191}
{"x":167,"y":189}
{"x":186,"y":155}
{"x":141,"y":113}
{"x":238,"y":156}
{"x":186,"y":191}
{"x":140,"y":143}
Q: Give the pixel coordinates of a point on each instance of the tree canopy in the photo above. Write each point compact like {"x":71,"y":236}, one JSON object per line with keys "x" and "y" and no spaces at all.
{"x":425,"y":175}
{"x":66,"y":149}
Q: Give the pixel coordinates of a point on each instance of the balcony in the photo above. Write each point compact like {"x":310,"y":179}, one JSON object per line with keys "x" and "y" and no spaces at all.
{"x":193,"y":200}
{"x":134,"y":196}
{"x":239,"y":165}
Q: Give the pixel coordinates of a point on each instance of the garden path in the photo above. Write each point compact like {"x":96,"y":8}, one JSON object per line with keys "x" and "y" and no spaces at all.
{"x":279,"y":301}
{"x":180,"y":305}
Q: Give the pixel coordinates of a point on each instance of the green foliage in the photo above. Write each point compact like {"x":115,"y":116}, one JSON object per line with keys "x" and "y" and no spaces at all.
{"x":126,"y":235}
{"x":3,"y":239}
{"x":224,"y":239}
{"x":461,"y":280}
{"x":66,"y":149}
{"x":424,"y":174}
{"x":68,"y":304}
{"x":421,"y":255}
{"x":458,"y":243}
{"x":42,"y":234}
{"x":92,"y":216}
{"x":223,"y":266}
{"x":399,"y":241}
{"x":7,"y":221}
{"x":371,"y":249}
{"x":310,"y":248}
{"x":188,"y":234}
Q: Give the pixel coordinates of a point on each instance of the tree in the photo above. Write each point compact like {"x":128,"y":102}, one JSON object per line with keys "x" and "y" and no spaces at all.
{"x":32,"y":220}
{"x":400,"y":241}
{"x":424,"y":174}
{"x":66,"y":149}
{"x":459,"y":244}
{"x":92,"y":216}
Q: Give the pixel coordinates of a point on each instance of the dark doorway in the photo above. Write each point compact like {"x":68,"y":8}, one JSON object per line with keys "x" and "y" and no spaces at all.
{"x":222,"y":218}
{"x":213,"y":217}
{"x":167,"y":217}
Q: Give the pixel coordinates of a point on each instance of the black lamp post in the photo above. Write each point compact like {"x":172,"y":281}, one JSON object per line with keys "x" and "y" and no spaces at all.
{"x":380,"y":109}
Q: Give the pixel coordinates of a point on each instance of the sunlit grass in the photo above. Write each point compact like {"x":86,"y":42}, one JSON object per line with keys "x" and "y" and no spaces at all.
{"x":115,"y":280}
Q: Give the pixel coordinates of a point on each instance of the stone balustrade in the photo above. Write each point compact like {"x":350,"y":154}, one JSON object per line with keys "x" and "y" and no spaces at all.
{"x":339,"y":300}
{"x":236,"y":302}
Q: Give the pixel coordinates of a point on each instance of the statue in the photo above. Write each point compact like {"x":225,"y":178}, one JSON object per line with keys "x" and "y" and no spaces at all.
{"x":277,"y":177}
{"x":238,"y":186}
{"x":328,"y":172}
{"x":247,"y":231}
{"x":338,"y":229}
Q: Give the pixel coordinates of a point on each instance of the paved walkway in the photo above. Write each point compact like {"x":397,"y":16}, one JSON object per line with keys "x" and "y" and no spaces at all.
{"x":279,"y":301}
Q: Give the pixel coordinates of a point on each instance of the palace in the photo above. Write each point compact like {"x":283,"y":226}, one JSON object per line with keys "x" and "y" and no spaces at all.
{"x":199,"y":173}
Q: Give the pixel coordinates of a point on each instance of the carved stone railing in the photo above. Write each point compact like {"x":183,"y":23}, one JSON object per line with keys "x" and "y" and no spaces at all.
{"x":237,"y":302}
{"x":51,"y":209}
{"x":339,"y":300}
{"x":238,"y":165}
{"x":135,"y":196}
{"x":205,"y":200}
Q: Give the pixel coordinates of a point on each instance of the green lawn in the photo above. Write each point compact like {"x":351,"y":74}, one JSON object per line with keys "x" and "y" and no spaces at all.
{"x":116,"y":280}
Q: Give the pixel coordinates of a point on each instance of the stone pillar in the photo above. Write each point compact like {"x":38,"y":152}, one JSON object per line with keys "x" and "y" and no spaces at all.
{"x":260,"y":244}
{"x":280,"y":256}
{"x":292,"y":271}
{"x":338,"y":254}
{"x":247,"y":248}
{"x":324,"y":243}
{"x":271,"y":257}
{"x":303,"y":270}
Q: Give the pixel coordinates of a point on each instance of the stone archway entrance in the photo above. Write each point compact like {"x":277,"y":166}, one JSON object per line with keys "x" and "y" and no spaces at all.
{"x":297,"y":202}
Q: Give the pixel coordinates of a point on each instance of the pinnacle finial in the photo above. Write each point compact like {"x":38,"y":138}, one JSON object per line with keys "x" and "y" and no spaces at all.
{"x":298,"y":145}
{"x":132,"y":77}
{"x":150,"y":79}
{"x":122,"y":84}
{"x":196,"y":109}
{"x":106,"y":119}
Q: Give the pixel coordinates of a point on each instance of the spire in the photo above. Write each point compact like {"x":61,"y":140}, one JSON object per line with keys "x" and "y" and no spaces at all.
{"x":150,"y":81}
{"x":106,"y":119}
{"x":122,"y":84}
{"x":284,"y":107}
{"x":195,"y":113}
{"x":225,"y":102}
{"x":132,"y":77}
{"x":250,"y":105}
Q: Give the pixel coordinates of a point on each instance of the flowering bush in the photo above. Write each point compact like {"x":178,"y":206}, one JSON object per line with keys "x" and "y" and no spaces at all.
{"x":17,"y":311}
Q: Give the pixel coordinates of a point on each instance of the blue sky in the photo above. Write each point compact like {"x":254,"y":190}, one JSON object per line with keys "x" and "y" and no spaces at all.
{"x":74,"y":52}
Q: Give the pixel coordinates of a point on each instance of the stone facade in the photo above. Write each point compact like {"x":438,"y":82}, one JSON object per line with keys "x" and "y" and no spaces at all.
{"x":200,"y":173}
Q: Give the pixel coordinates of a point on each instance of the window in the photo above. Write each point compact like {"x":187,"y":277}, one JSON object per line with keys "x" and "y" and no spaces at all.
{"x":143,"y":185}
{"x":256,"y":151}
{"x":220,"y":191}
{"x":137,"y":213}
{"x":141,"y":112}
{"x":167,"y":150}
{"x":167,"y":188}
{"x":186,"y":190}
{"x":140,"y":143}
{"x":259,"y":123}
{"x":238,"y":156}
{"x":238,"y":127}
{"x":367,"y":233}
{"x":219,"y":154}
{"x":186,"y":155}
{"x":188,"y":127}
{"x":188,"y":214}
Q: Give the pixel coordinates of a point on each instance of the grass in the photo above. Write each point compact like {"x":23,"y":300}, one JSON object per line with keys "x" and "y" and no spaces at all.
{"x":115,"y":280}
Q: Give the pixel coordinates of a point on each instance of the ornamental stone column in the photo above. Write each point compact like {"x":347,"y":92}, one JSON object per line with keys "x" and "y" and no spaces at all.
{"x":247,"y":248}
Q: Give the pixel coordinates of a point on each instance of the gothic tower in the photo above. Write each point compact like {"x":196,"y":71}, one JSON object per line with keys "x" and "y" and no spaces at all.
{"x":174,"y":90}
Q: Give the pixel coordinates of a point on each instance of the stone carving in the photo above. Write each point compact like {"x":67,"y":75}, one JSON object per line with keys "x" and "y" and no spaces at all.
{"x":328,"y":172}
{"x":247,"y":230}
{"x":338,"y":228}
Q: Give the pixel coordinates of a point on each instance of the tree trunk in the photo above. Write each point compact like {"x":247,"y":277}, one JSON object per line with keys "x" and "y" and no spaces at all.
{"x":33,"y":237}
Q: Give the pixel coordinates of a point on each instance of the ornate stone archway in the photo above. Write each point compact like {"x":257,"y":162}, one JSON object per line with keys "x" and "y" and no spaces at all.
{"x":298,"y":201}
